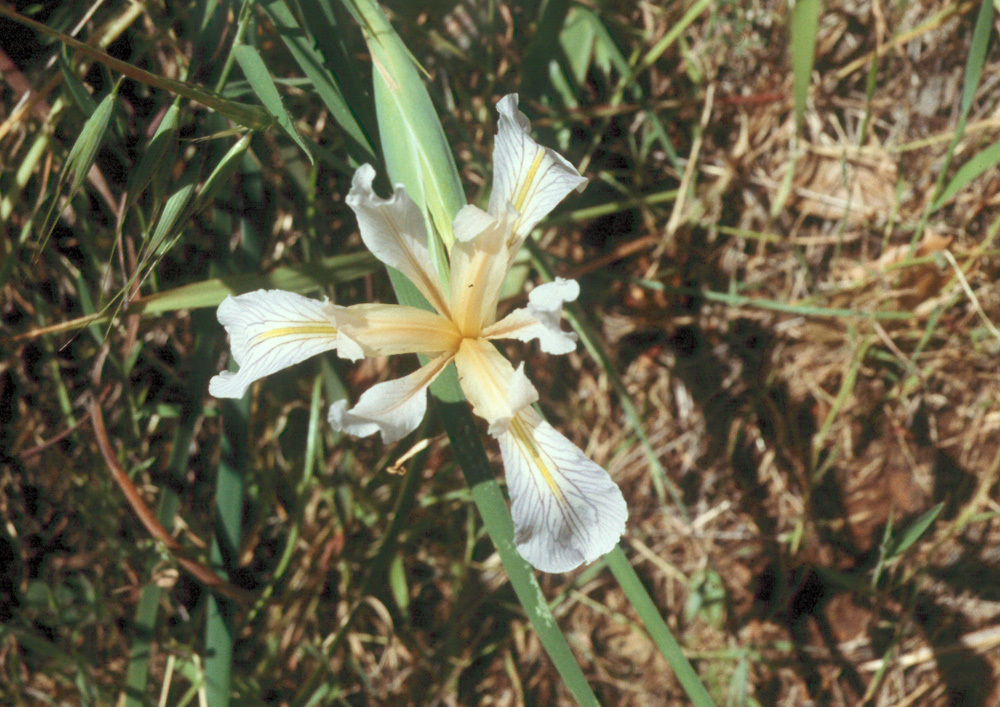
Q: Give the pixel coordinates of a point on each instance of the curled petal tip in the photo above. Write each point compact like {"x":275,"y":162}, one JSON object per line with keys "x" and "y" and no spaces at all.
{"x":393,"y":230}
{"x":526,"y":175}
{"x":541,"y":319}
{"x":395,"y":408}
{"x":227,"y":385}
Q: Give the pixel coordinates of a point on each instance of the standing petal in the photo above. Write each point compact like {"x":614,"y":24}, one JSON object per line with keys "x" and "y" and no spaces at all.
{"x":496,"y":391}
{"x":270,"y":330}
{"x":540,"y":319}
{"x":478,"y":268}
{"x":529,"y":177}
{"x":394,"y":231}
{"x":394,"y":408}
{"x":566,"y":508}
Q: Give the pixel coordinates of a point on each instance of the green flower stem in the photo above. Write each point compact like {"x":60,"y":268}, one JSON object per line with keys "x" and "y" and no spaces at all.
{"x":468,"y":450}
{"x":657,"y":627}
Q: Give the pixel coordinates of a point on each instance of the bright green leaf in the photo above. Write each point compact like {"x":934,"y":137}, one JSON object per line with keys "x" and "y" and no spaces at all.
{"x":303,"y":48}
{"x":805,"y":25}
{"x":901,"y":543}
{"x":413,"y":141}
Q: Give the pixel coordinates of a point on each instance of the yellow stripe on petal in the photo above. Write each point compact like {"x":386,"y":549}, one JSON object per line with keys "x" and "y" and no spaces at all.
{"x":389,"y":329}
{"x":394,"y":231}
{"x":299,"y":331}
{"x":494,"y":388}
{"x":394,"y":408}
{"x":530,"y":178}
{"x":528,"y":181}
{"x":540,"y":319}
{"x":478,"y":268}
{"x":541,"y":462}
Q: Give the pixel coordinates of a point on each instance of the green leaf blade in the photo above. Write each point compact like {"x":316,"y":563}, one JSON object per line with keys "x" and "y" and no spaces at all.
{"x":416,"y":151}
{"x":302,"y":46}
{"x":263,"y":85}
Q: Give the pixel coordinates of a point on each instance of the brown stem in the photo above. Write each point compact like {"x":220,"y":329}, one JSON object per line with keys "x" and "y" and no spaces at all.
{"x":197,"y":570}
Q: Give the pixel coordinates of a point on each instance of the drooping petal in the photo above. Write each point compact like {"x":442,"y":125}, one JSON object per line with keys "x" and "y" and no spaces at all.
{"x":389,"y":329}
{"x":490,"y":383}
{"x":478,"y":268}
{"x":270,"y":330}
{"x":529,"y":177}
{"x":393,"y":230}
{"x":566,"y":509}
{"x":540,"y":319}
{"x":394,"y":408}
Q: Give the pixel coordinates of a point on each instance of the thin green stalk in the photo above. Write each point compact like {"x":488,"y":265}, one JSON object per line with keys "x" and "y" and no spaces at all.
{"x":140,"y":651}
{"x":973,"y":73}
{"x":657,"y":627}
{"x":805,"y":27}
{"x":418,"y":156}
{"x":735,"y":300}
{"x":467,"y":447}
{"x":241,"y":30}
{"x":309,"y":464}
{"x":219,"y":631}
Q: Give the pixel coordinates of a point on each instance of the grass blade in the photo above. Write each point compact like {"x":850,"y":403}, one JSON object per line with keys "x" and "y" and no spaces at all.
{"x":160,"y":151}
{"x":253,"y":117}
{"x":543,"y":50}
{"x":137,"y":674}
{"x":973,"y":73}
{"x":402,"y":100}
{"x":805,"y":25}
{"x":378,"y":568}
{"x":302,"y":46}
{"x":983,"y":161}
{"x":84,"y":151}
{"x":576,"y":318}
{"x":166,"y":227}
{"x":468,"y":450}
{"x":79,"y":95}
{"x":81,"y":156}
{"x":809,"y":310}
{"x":305,"y":278}
{"x":184,"y":203}
{"x":263,"y":85}
{"x":220,"y":625}
{"x":897,"y":545}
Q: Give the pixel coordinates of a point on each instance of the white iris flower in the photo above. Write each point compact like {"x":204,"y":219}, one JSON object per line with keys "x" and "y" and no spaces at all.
{"x":566,"y":509}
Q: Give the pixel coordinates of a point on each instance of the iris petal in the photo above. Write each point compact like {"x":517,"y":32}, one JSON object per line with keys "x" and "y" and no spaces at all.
{"x":566,"y":509}
{"x":540,"y":319}
{"x":491,"y":384}
{"x":527,"y":176}
{"x":270,"y":330}
{"x":394,"y":231}
{"x":394,"y":408}
{"x":390,"y":329}
{"x":478,"y":268}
